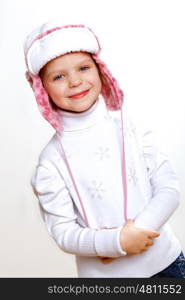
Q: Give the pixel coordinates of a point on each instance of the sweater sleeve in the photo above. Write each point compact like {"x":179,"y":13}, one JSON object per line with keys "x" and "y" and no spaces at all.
{"x":59,"y":215}
{"x":164,"y":184}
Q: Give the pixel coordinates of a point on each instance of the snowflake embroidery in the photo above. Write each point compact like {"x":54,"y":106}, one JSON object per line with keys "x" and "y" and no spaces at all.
{"x":128,"y":129}
{"x":96,"y":190}
{"x":102,"y":153}
{"x":132,"y":177}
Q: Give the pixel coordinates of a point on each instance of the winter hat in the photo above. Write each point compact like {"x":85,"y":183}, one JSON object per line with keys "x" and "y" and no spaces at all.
{"x":50,"y":41}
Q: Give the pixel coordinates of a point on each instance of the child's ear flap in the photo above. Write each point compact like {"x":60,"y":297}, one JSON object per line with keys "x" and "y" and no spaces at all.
{"x":111,"y":91}
{"x":46,"y":106}
{"x":29,"y":78}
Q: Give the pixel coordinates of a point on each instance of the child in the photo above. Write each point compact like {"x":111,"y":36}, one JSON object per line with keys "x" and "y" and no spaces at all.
{"x":105,"y":191}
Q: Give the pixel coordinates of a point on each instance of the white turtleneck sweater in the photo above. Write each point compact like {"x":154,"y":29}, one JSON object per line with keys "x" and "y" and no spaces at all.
{"x":93,"y":146}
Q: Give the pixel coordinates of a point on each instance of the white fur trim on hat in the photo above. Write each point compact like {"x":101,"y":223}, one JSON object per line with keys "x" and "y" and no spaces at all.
{"x":49,"y":45}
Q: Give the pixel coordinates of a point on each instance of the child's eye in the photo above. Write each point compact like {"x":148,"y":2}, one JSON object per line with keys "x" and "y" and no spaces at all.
{"x":84,"y":68}
{"x":58,"y":77}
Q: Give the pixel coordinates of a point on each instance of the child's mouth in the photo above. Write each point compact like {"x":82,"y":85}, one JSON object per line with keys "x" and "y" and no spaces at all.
{"x":79,"y":95}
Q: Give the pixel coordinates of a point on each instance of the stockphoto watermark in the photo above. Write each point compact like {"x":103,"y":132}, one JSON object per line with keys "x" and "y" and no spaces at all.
{"x":48,"y":287}
{"x":120,"y":289}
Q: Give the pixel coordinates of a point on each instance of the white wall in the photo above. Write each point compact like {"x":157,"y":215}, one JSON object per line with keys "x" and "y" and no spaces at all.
{"x":143,"y":44}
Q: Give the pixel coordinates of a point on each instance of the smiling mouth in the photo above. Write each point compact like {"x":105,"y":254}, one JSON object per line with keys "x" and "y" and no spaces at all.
{"x":79,"y":95}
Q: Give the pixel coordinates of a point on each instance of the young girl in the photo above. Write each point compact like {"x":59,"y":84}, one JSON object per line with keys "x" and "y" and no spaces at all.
{"x":105,"y":190}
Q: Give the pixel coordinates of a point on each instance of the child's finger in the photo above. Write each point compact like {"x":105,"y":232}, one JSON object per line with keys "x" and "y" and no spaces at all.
{"x":106,"y":260}
{"x":149,"y":242}
{"x":153,"y":234}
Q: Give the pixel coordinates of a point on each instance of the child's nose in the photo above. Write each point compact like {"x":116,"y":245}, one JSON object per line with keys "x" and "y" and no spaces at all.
{"x":74,"y":80}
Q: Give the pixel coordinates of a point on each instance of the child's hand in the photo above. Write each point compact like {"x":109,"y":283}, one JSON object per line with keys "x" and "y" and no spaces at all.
{"x":135,"y":240}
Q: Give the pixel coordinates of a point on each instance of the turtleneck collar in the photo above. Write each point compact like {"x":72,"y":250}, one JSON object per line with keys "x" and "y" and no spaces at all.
{"x":79,"y":121}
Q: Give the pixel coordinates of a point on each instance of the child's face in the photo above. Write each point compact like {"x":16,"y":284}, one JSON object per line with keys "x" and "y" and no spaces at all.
{"x":72,"y":81}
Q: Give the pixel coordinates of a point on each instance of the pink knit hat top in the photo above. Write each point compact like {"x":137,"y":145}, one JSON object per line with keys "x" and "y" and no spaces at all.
{"x":52,"y":40}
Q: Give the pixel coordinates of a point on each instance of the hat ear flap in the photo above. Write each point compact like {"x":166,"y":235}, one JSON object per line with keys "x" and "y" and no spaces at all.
{"x":111,"y":91}
{"x":48,"y":111}
{"x":29,"y":78}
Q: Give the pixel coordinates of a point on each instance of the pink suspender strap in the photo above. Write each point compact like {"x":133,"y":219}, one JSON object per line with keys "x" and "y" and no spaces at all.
{"x":124,"y":172}
{"x":72,"y":178}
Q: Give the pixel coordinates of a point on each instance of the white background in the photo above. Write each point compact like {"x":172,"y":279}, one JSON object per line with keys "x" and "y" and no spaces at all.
{"x":143,"y":45}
